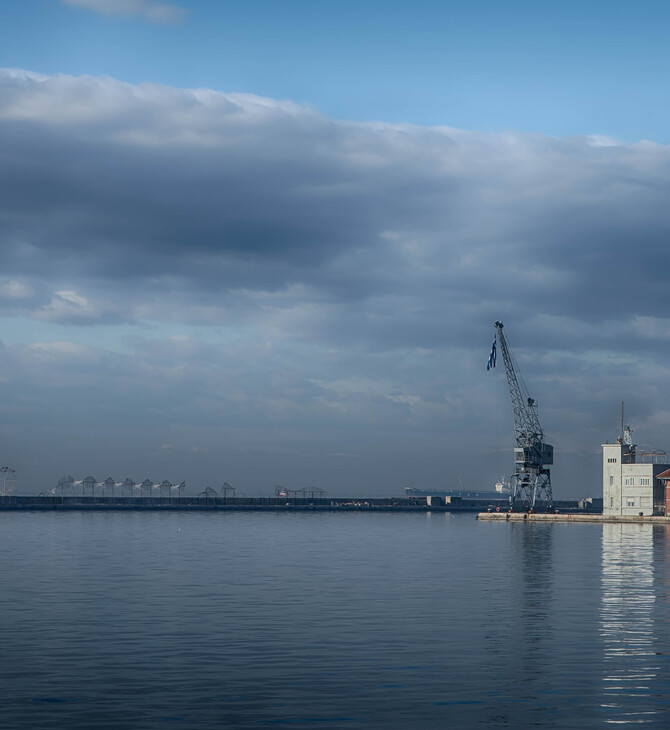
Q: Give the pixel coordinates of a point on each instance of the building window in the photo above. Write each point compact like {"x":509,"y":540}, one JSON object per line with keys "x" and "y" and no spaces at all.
{"x":630,"y":502}
{"x":630,"y":481}
{"x":611,"y":481}
{"x":644,"y":482}
{"x":611,"y":461}
{"x":611,"y":501}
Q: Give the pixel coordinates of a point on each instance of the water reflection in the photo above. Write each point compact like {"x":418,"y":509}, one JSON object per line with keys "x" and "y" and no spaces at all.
{"x":530,"y":659}
{"x":631,"y":664}
{"x":533,"y":552}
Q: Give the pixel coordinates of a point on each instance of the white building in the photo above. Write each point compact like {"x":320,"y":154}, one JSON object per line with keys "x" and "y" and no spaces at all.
{"x":630,"y":480}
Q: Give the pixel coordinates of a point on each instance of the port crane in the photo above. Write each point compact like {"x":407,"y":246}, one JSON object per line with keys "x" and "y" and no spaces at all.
{"x":531,"y":481}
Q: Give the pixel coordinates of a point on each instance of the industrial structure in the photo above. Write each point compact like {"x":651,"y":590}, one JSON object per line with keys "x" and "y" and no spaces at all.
{"x":7,"y":481}
{"x":634,"y":480}
{"x":531,"y":481}
{"x":109,"y":487}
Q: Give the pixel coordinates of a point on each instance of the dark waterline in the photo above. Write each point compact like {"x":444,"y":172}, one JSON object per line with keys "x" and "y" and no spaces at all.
{"x":199,"y":620}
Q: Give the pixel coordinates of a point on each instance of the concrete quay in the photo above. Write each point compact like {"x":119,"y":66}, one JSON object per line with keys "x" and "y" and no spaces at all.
{"x":537,"y":517}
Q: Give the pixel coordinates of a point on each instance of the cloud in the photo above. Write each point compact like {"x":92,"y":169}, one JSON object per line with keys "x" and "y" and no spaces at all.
{"x":15,"y":290}
{"x":308,"y":276}
{"x":208,"y":201}
{"x":155,"y":12}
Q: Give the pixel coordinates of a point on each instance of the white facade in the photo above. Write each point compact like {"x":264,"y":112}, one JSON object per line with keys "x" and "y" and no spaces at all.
{"x":630,"y":487}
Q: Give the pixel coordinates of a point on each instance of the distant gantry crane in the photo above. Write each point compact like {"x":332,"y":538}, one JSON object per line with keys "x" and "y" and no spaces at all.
{"x":531,"y":481}
{"x":108,"y":488}
{"x":7,"y":481}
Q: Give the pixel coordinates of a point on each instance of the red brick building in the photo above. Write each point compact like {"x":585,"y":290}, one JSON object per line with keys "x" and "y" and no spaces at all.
{"x":665,"y":478}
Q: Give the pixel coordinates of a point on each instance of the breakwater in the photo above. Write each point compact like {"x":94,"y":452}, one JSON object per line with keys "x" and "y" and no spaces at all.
{"x":185,"y":503}
{"x":41,"y":502}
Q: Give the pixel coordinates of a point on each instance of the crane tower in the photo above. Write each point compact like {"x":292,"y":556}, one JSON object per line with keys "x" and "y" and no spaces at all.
{"x":531,"y":481}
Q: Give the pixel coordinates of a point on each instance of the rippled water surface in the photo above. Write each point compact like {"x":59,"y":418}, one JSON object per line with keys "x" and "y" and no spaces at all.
{"x":147,"y":620}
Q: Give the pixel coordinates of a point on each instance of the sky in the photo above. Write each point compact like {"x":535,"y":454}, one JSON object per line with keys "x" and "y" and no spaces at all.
{"x":266,"y":242}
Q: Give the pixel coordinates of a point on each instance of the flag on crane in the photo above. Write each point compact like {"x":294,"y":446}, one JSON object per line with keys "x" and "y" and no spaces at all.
{"x":492,"y":356}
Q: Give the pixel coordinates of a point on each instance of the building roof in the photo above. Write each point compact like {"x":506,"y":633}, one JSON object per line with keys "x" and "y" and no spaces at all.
{"x":664,"y":474}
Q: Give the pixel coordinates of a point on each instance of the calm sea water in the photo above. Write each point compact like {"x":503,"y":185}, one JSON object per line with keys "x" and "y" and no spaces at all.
{"x":354,"y":621}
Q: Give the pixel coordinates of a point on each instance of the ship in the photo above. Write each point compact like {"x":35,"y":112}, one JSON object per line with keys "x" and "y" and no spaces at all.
{"x":501,"y":492}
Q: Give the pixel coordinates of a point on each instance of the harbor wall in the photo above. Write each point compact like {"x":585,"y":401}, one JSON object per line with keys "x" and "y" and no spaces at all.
{"x":185,"y":503}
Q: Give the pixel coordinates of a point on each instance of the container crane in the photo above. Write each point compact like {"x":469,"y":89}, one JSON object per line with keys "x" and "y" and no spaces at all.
{"x":531,"y":481}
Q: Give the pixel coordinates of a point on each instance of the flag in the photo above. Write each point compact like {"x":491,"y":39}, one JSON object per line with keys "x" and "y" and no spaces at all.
{"x":492,"y":356}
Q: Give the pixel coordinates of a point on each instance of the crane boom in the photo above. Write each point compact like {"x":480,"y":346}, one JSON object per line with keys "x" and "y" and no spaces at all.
{"x":531,"y":482}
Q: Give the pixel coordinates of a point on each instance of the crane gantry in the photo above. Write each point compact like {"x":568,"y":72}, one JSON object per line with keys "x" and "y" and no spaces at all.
{"x":531,"y":481}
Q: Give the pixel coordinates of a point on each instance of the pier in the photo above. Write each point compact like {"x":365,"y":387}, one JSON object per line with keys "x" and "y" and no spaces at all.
{"x":567,"y":517}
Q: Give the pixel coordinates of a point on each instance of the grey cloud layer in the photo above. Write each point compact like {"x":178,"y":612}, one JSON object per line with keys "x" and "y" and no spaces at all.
{"x":385,"y":244}
{"x":210,"y":193}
